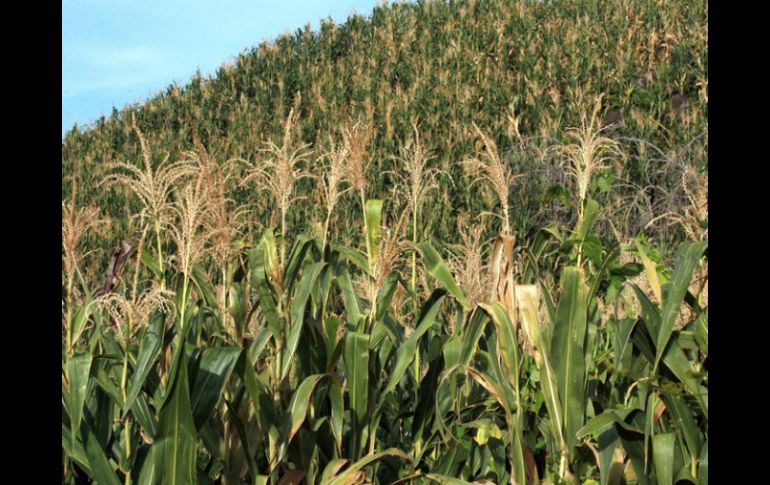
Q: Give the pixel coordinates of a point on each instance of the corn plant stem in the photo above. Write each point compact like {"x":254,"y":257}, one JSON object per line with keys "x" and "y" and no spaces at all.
{"x":581,"y":213}
{"x":272,"y":467}
{"x":414,"y":288}
{"x":283,"y":238}
{"x":184,"y":301}
{"x":223,"y":300}
{"x":506,"y":221}
{"x":128,"y":444}
{"x":163,"y":371}
{"x":694,"y":466}
{"x":69,"y":314}
{"x":160,"y":255}
{"x":124,"y":374}
{"x":563,"y":466}
{"x":123,"y":380}
{"x":414,"y":254}
{"x":518,"y":420}
{"x":372,"y":289}
{"x":326,"y":232}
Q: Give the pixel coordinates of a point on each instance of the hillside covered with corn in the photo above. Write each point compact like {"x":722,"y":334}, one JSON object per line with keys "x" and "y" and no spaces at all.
{"x":447,"y":242}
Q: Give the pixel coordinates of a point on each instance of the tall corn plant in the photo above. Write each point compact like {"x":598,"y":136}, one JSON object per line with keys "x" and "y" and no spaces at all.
{"x":279,"y":172}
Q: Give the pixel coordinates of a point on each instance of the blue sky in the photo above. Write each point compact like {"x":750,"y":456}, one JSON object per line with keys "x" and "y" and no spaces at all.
{"x":117,"y":52}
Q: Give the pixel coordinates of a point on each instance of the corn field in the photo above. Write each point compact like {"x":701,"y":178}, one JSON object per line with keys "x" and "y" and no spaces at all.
{"x":455,"y":242}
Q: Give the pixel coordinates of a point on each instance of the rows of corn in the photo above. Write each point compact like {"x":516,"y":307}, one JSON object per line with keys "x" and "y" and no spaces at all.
{"x":317,"y":285}
{"x":208,"y":357}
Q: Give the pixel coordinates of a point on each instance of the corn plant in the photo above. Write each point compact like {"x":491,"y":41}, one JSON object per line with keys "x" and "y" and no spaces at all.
{"x":408,"y":339}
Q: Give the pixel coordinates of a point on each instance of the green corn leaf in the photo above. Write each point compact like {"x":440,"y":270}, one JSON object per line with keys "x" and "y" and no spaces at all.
{"x":527,"y":299}
{"x":568,"y":352}
{"x":296,"y":258}
{"x":236,"y":305}
{"x":600,"y":422}
{"x":507,"y":342}
{"x":427,"y":396}
{"x":406,"y":351}
{"x":177,"y":437}
{"x":676,"y":360}
{"x":149,"y":350}
{"x":300,"y":401}
{"x":685,"y":421}
{"x":329,"y":329}
{"x":80,"y":318}
{"x":356,"y":358}
{"x":151,"y":261}
{"x":703,"y":466}
{"x":145,"y":416}
{"x":260,"y":400}
{"x":337,"y":411}
{"x":500,"y":376}
{"x":258,"y":344}
{"x":332,"y":468}
{"x":101,"y":376}
{"x":470,"y":340}
{"x":355,"y":468}
{"x":151,"y":467}
{"x":297,"y":313}
{"x":621,"y":337}
{"x":515,"y":423}
{"x":652,"y":272}
{"x":74,"y":448}
{"x":590,"y":214}
{"x":687,"y":259}
{"x":609,"y":470}
{"x":349,"y":297}
{"x":600,"y":276}
{"x":385,"y":295}
{"x":267,"y":302}
{"x":663,"y":457}
{"x":438,"y":269}
{"x":101,"y":470}
{"x":702,"y":331}
{"x":634,"y":448}
{"x":354,"y":256}
{"x":201,"y":281}
{"x":507,"y":348}
{"x":233,"y":415}
{"x":269,"y":252}
{"x":373,"y":217}
{"x":78,"y":370}
{"x":214,"y":369}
